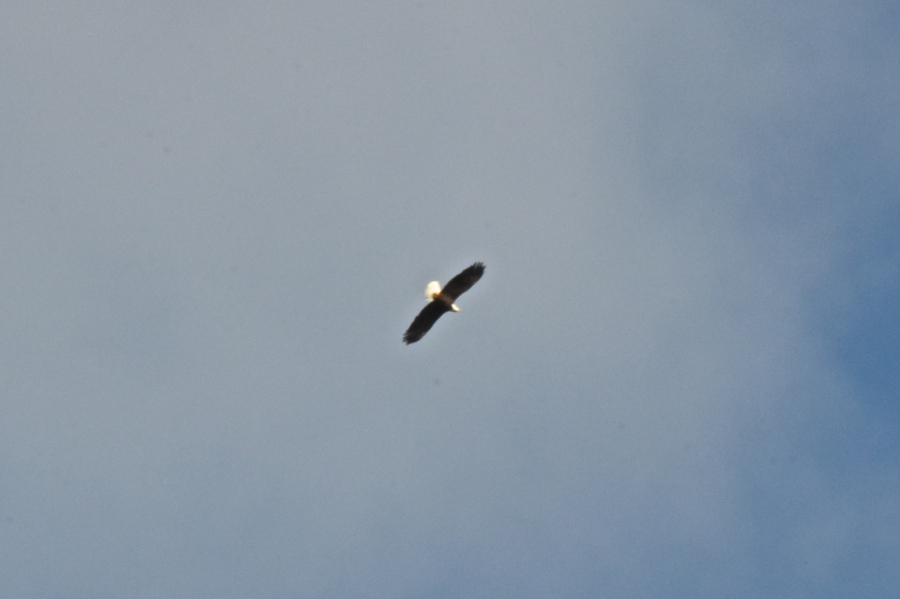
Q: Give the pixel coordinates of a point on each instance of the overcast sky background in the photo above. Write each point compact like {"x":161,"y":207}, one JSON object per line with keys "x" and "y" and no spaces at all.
{"x":679,"y":376}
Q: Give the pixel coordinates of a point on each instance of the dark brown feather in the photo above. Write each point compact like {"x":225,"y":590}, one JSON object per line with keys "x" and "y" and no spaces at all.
{"x":424,"y":321}
{"x":462,"y":282}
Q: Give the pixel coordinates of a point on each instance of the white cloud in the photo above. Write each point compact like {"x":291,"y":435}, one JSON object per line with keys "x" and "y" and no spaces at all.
{"x":218,"y":225}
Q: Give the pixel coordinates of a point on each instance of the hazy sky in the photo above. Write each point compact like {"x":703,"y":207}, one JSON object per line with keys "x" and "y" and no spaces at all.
{"x":679,"y":376}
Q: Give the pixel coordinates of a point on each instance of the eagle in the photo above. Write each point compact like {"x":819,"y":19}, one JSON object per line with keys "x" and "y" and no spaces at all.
{"x":441,"y":301}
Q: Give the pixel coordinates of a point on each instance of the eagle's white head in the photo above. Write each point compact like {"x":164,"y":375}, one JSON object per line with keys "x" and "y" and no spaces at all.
{"x":433,"y":290}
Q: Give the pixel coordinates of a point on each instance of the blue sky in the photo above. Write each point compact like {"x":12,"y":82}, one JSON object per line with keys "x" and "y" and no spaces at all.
{"x":679,"y":376}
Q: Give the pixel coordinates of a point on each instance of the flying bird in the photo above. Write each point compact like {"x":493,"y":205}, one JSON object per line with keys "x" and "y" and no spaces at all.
{"x":441,"y":301}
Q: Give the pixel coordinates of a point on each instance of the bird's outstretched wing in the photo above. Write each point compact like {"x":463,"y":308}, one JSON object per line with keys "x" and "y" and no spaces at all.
{"x":462,"y":282}
{"x":424,"y":321}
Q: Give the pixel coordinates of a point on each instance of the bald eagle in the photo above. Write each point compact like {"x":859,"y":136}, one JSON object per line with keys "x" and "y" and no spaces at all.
{"x":441,"y":301}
